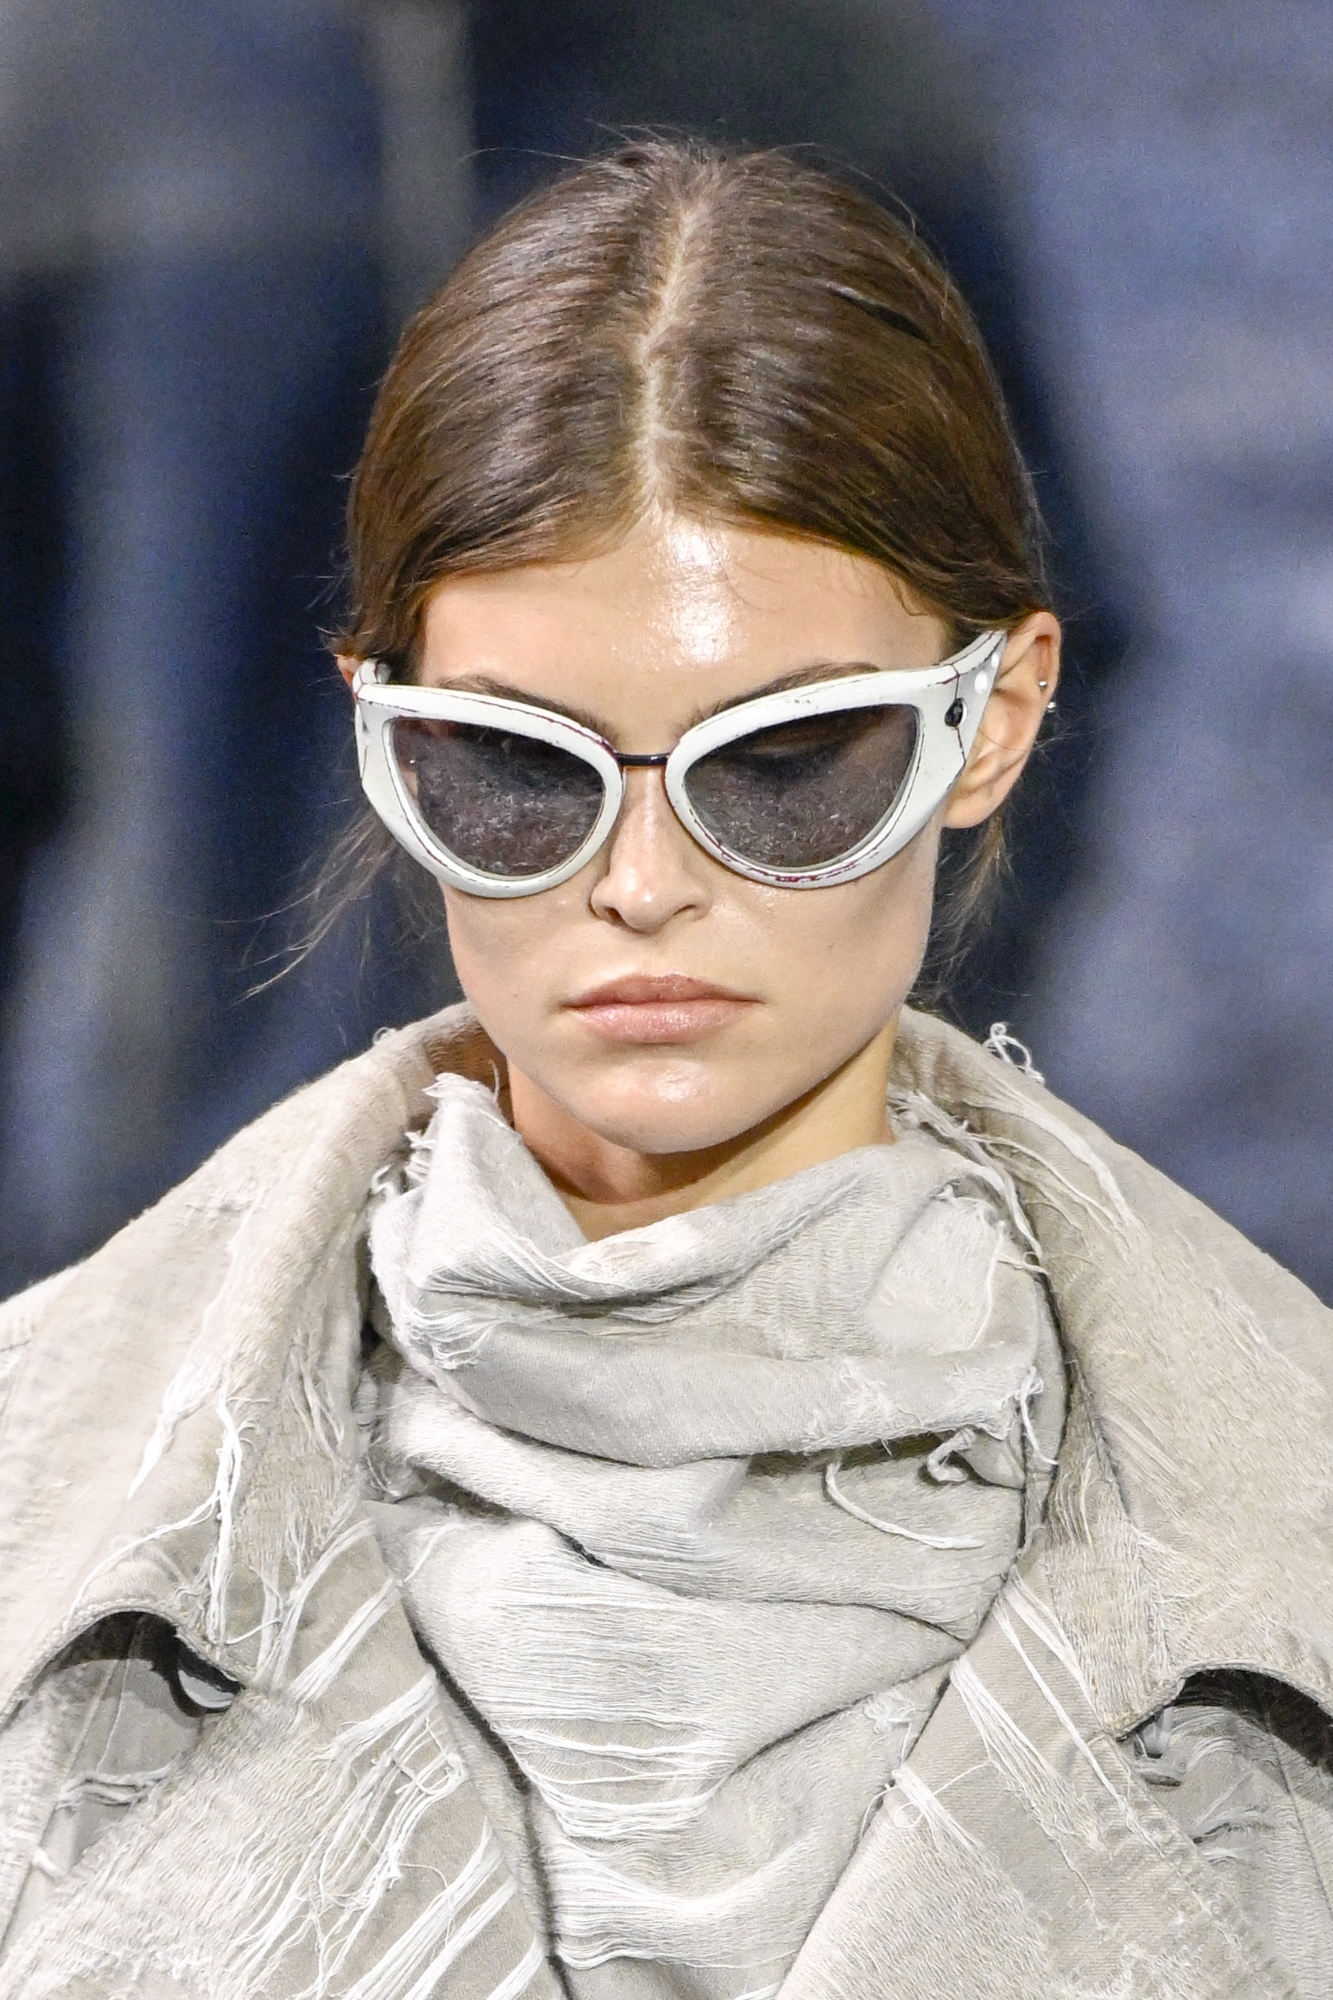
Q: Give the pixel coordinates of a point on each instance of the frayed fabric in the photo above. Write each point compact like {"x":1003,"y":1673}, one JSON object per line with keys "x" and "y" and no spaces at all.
{"x":669,"y":1511}
{"x":1124,"y":1787}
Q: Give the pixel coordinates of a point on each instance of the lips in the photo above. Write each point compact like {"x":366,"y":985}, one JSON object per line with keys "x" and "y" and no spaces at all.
{"x":665,"y":1007}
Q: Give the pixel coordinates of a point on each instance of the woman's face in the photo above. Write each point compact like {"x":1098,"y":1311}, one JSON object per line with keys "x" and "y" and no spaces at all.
{"x":662,"y":1002}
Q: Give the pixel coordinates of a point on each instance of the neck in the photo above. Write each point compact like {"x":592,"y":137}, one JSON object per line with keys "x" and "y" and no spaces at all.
{"x":607,"y":1187}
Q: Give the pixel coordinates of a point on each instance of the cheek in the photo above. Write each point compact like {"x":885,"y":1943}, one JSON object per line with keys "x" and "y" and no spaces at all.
{"x":498,"y":946}
{"x":850,"y":955}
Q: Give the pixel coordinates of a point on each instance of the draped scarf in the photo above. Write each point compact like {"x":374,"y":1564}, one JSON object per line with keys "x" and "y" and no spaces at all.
{"x":695,"y":1519}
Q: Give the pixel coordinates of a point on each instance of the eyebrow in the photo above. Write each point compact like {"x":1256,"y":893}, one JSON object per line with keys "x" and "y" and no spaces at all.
{"x":823,"y":670}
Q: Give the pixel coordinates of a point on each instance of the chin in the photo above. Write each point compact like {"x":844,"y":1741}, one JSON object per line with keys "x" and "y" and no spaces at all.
{"x":655,"y":1120}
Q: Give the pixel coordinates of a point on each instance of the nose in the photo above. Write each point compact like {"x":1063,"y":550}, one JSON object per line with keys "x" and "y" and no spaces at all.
{"x":651,"y":870}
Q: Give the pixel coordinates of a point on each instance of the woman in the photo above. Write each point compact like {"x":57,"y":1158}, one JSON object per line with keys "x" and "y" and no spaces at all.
{"x":681,"y":1476}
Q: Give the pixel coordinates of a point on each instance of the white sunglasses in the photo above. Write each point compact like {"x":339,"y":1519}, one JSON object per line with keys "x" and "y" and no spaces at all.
{"x":801,"y":789}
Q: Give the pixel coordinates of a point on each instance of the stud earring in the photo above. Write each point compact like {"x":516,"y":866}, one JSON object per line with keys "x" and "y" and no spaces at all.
{"x":1043,"y":685}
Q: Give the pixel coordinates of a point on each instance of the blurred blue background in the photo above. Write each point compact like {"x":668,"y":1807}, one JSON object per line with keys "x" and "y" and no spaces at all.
{"x":212,"y":219}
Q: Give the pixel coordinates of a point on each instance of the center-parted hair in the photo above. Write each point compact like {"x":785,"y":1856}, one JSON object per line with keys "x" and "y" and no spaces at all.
{"x":729,"y":337}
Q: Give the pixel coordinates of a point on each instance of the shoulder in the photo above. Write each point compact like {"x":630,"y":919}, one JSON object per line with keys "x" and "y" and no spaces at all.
{"x":1196,"y":1475}
{"x":270,"y":1202}
{"x":149,"y":1386}
{"x":19,"y":1317}
{"x":311,"y":1154}
{"x":1104,"y":1215}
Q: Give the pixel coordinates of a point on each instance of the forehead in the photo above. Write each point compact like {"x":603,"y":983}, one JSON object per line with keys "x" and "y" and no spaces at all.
{"x":675,"y":617}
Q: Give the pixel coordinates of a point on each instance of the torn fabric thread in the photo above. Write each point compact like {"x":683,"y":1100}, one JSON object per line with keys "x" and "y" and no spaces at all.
{"x":681,"y":1511}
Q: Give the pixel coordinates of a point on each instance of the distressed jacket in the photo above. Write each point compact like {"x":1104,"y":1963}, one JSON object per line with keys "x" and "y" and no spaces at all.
{"x":227,"y":1770}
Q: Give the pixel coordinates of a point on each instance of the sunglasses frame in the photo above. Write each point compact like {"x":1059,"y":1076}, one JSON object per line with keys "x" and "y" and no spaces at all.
{"x":948,"y":699}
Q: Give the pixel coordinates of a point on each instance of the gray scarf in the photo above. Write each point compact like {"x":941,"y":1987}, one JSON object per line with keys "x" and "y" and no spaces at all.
{"x":695,"y":1519}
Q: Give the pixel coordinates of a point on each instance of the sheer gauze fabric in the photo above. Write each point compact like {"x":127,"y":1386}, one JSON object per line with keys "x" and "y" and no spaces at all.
{"x":696,"y":1519}
{"x":1126,"y":1785}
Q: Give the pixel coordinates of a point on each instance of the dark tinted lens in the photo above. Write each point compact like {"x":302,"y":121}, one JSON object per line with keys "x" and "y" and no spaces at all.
{"x":503,"y":803}
{"x":806,"y":792}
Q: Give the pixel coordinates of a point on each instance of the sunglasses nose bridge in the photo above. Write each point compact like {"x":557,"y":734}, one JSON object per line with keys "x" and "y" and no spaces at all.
{"x":628,"y":762}
{"x":634,"y":760}
{"x":649,"y":868}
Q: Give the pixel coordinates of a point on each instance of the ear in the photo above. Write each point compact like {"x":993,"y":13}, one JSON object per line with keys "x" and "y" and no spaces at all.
{"x":347,"y":668}
{"x":1024,"y":689}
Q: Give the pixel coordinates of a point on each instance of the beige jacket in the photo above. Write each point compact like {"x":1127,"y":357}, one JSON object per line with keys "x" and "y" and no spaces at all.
{"x":180,"y":1525}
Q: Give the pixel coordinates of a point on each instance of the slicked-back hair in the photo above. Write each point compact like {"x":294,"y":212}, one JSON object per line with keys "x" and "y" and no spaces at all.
{"x":732,"y":338}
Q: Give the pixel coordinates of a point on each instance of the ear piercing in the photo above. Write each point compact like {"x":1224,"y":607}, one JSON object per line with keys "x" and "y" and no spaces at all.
{"x":1043,"y":685}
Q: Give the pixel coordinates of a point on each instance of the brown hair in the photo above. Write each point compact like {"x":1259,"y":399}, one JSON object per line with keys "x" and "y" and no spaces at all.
{"x":732,"y":337}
